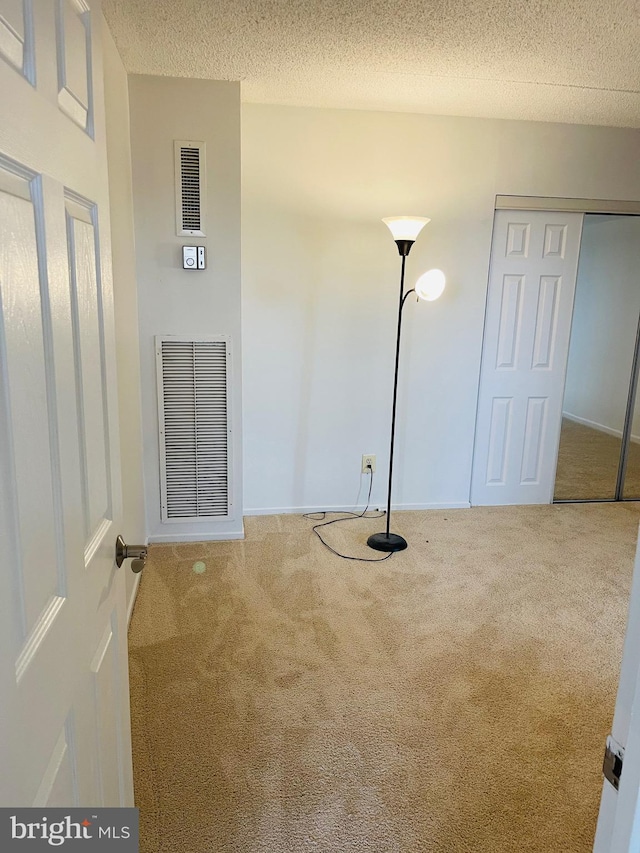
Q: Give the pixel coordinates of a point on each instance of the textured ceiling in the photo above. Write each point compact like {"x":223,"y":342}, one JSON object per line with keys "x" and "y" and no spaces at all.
{"x":549,"y":60}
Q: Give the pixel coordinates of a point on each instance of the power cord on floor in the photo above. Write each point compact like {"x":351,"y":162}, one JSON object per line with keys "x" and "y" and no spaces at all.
{"x":347,"y":517}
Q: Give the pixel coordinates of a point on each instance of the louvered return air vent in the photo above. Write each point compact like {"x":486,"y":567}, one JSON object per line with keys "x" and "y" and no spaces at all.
{"x":190,"y":188}
{"x":193,"y":403}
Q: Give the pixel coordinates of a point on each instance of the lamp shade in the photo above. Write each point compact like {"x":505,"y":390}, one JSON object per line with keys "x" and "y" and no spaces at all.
{"x":405,"y":227}
{"x":430,"y":285}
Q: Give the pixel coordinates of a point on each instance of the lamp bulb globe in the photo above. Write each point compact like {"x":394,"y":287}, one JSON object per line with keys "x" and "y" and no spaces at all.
{"x":430,"y":285}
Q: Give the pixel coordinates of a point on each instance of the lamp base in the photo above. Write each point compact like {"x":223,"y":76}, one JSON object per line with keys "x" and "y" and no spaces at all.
{"x":386,"y":542}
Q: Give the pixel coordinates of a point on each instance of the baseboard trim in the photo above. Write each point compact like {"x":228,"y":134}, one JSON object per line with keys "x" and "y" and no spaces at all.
{"x":132,"y":599}
{"x":301,"y":510}
{"x":600,"y":427}
{"x":454,"y":505}
{"x":168,"y":538}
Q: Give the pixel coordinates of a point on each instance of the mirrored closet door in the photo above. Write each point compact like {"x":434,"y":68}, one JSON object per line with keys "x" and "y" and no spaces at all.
{"x":599,"y":452}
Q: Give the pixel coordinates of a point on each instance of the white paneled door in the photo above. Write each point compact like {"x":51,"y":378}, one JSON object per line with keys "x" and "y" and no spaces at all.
{"x":618,"y":829}
{"x":534,"y":261}
{"x":65,"y":734}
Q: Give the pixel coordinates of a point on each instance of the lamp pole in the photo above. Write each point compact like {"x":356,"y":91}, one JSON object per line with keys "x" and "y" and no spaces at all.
{"x":395,"y":394}
{"x":388,"y":541}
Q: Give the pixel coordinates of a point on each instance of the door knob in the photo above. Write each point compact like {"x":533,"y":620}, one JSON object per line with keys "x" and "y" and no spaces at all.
{"x":136,"y":553}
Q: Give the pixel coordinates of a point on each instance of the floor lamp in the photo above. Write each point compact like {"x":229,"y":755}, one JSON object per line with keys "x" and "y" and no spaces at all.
{"x":405,"y":230}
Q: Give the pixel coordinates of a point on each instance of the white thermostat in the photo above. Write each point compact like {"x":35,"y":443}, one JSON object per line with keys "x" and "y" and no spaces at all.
{"x":193,"y":258}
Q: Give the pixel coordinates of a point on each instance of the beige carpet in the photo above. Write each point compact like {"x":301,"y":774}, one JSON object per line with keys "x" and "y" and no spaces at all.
{"x":588,"y":464}
{"x":454,"y":698}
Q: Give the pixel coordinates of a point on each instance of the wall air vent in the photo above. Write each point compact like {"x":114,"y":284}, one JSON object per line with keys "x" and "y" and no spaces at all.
{"x":190,"y":188}
{"x":194,"y":385}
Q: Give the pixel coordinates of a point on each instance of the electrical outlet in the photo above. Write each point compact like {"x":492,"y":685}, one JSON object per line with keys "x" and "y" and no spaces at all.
{"x":368,"y":463}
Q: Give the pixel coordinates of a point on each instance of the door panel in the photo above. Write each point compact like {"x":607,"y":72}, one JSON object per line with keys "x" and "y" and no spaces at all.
{"x":531,"y":285}
{"x":31,"y":431}
{"x":534,"y":432}
{"x":499,"y":431}
{"x":86,"y":307}
{"x":106,"y":690}
{"x":16,"y":35}
{"x":555,"y":241}
{"x":546,"y":321}
{"x":63,"y":658}
{"x":510,"y":321}
{"x":59,"y":787}
{"x":73,"y":44}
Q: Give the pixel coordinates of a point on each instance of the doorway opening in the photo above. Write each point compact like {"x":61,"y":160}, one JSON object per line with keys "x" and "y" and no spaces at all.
{"x":599,"y":449}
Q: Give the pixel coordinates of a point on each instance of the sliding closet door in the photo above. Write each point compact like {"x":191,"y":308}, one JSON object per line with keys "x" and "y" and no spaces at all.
{"x":534,"y":257}
{"x":599,"y":367}
{"x":631,"y":481}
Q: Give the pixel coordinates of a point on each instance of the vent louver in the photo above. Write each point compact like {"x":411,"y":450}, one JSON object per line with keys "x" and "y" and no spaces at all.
{"x":193,"y":398}
{"x":190,"y":188}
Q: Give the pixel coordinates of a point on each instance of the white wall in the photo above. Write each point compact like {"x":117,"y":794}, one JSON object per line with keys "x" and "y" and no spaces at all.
{"x":605,"y":320}
{"x":125,"y":296}
{"x":320,"y":281}
{"x":172,"y":300}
